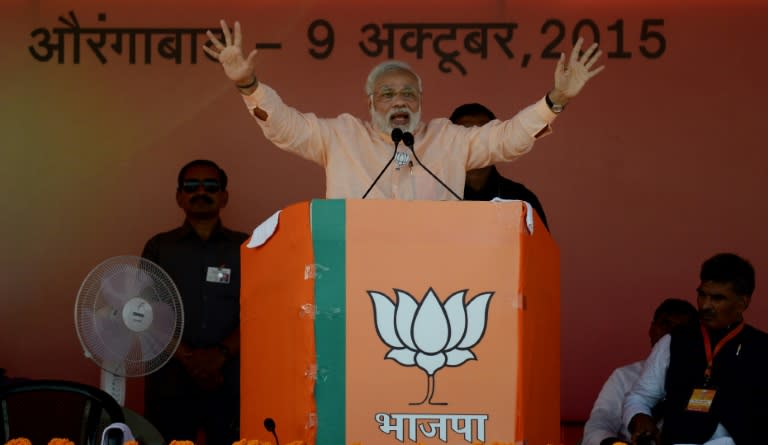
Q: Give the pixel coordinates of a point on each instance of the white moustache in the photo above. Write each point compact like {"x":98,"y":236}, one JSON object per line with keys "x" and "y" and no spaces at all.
{"x":400,"y":110}
{"x":384,"y":121}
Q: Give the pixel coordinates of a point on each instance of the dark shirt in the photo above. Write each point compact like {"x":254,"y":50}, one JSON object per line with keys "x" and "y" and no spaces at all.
{"x":739,"y":375}
{"x":211,"y":307}
{"x":173,"y":401}
{"x":501,"y":187}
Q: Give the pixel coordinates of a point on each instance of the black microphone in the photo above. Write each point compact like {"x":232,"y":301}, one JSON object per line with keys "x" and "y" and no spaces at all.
{"x":269,"y":424}
{"x":409,"y":141}
{"x":397,"y":136}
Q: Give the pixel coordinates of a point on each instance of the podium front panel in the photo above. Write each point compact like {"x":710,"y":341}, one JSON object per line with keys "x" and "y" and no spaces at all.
{"x":406,"y":324}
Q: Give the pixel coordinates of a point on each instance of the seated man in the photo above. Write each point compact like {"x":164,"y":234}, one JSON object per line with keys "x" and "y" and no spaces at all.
{"x":485,"y":183}
{"x":712,"y":377}
{"x":605,"y":426}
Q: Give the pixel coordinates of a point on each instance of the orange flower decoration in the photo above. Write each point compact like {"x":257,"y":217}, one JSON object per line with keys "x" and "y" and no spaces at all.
{"x":256,"y":442}
{"x":19,"y":441}
{"x":131,"y":442}
{"x":181,"y":442}
{"x":60,"y":441}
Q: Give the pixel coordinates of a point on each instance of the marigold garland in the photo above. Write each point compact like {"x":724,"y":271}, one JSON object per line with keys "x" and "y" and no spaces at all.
{"x":256,"y":442}
{"x":60,"y":441}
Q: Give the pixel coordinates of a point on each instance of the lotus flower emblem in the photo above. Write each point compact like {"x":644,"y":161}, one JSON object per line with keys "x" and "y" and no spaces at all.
{"x":430,"y":334}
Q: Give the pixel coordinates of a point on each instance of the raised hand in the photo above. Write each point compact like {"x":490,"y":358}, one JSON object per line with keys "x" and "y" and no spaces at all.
{"x":237,"y":67}
{"x":571,"y":77}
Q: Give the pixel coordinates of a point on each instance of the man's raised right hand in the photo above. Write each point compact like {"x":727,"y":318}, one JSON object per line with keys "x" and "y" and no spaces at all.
{"x":237,"y":67}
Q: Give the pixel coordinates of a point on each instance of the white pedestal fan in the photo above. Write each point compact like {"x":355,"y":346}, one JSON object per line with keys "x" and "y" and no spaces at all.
{"x":129,"y":318}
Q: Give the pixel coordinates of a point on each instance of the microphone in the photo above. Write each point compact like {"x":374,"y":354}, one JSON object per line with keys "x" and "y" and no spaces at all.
{"x":269,"y":424}
{"x":408,"y":140}
{"x":397,"y":136}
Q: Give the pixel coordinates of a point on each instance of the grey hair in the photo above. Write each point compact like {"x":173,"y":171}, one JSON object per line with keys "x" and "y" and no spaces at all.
{"x":385,"y":67}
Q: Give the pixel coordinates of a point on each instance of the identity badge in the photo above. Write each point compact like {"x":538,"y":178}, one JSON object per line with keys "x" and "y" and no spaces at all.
{"x":701,"y":400}
{"x":218,"y":275}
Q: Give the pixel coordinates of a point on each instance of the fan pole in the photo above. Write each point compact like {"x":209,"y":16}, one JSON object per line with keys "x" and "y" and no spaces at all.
{"x":113,"y":385}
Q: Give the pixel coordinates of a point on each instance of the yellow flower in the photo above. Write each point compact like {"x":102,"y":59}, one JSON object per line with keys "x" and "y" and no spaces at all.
{"x":19,"y":441}
{"x":60,"y":441}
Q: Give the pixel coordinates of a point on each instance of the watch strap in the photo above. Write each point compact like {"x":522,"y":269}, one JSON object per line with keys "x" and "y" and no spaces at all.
{"x":555,"y":108}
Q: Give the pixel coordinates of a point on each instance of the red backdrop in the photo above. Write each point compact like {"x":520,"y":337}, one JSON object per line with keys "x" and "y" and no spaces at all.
{"x":658,"y":165}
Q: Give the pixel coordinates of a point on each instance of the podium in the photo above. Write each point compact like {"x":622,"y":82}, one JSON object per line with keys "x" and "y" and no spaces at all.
{"x":387,"y":322}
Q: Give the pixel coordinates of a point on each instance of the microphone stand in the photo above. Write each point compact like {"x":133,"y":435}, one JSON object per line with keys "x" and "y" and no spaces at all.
{"x":408,"y":140}
{"x":397,"y":136}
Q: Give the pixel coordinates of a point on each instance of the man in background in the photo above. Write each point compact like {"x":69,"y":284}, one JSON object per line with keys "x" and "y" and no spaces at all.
{"x":712,"y":377}
{"x":198,"y":389}
{"x":605,"y":425}
{"x":486,"y":183}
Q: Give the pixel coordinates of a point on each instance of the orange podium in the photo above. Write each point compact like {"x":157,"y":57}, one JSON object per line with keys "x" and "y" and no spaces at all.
{"x":387,"y":322}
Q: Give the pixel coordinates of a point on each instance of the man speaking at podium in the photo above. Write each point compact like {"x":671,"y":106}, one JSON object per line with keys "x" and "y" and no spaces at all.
{"x":365,"y":159}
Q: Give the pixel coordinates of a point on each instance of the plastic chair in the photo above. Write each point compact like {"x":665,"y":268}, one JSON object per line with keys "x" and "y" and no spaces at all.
{"x":41,"y":410}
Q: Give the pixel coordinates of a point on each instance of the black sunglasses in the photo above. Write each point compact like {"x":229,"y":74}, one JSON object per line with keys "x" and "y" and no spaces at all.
{"x":209,"y":185}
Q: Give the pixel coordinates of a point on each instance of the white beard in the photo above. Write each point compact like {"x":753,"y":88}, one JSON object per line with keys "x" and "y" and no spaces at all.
{"x":383,"y":122}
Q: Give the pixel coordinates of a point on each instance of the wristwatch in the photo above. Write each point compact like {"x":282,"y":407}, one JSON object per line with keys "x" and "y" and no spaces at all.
{"x":556,"y":108}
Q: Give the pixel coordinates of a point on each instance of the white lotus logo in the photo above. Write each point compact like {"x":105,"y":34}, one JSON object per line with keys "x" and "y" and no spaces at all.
{"x":430,"y":334}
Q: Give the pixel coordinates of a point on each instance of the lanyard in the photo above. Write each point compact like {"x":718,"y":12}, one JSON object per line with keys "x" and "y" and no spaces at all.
{"x":712,"y":353}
